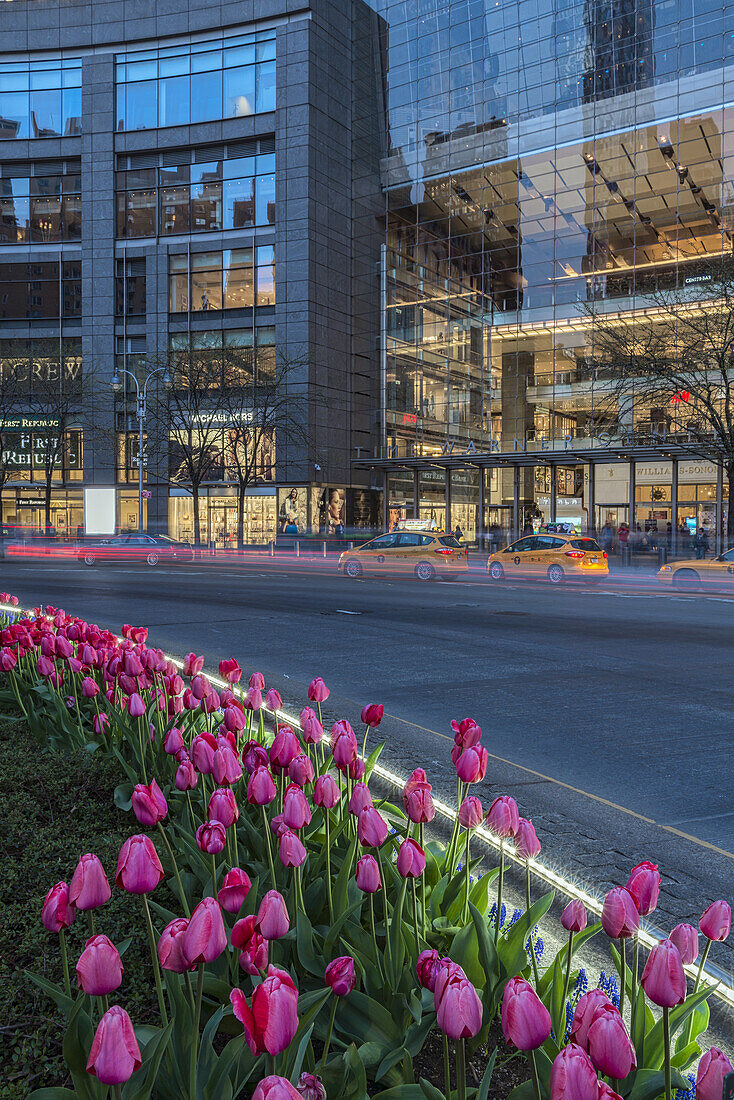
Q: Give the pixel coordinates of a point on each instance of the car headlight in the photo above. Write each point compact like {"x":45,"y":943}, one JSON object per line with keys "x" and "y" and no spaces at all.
{"x":665,"y":569}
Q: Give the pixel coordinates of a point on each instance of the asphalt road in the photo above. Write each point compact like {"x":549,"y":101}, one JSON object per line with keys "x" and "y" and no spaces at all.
{"x":608,"y":714}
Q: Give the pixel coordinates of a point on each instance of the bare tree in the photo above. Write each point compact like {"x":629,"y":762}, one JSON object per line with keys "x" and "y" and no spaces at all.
{"x":670,"y":372}
{"x":14,"y":422}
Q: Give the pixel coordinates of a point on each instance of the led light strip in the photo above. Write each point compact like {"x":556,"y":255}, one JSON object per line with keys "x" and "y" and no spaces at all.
{"x":648,"y":937}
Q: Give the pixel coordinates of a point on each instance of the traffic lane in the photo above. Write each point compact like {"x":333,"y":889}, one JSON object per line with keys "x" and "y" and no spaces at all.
{"x":577,"y":685}
{"x":593,"y":832}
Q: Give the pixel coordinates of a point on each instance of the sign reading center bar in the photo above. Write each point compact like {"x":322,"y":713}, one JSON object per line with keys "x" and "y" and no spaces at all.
{"x":612,"y":479}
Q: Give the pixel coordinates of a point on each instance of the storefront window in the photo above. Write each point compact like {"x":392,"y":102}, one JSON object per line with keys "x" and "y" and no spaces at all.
{"x":229,"y":280}
{"x":218,"y":519}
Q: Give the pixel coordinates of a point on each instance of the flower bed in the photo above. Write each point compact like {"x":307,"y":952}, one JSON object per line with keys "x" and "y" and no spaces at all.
{"x":320,"y":944}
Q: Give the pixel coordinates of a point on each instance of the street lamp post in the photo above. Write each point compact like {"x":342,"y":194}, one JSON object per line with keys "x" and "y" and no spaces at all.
{"x":141,"y":396}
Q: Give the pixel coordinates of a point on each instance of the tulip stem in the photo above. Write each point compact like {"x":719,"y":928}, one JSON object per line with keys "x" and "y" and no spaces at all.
{"x":415,"y":918}
{"x":446,"y":1067}
{"x":378,"y":961}
{"x":65,"y":961}
{"x":182,"y":895}
{"x":364,"y":744}
{"x":465,"y":915}
{"x":328,"y":1033}
{"x":633,"y":983}
{"x":191,"y":813}
{"x":527,"y":910}
{"x":142,"y":751}
{"x":689,"y":1022}
{"x":195,"y":1035}
{"x":460,"y":1069}
{"x":384,"y":906}
{"x":90,"y":922}
{"x":562,"y":1022}
{"x":534,"y":1068}
{"x":423,"y":882}
{"x":214,"y":876}
{"x":666,"y":1034}
{"x":498,"y":917}
{"x":156,"y":968}
{"x":328,"y":866}
{"x":622,"y":973}
{"x":266,"y":826}
{"x":117,"y":1091}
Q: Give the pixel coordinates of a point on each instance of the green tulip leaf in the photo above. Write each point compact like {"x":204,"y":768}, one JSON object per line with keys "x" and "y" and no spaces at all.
{"x":141,"y":1084}
{"x":57,"y":995}
{"x":650,"y":1084}
{"x":430,"y":1091}
{"x":483,"y":1090}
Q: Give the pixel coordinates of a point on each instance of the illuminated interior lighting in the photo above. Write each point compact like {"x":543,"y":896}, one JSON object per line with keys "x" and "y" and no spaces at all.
{"x":648,"y":936}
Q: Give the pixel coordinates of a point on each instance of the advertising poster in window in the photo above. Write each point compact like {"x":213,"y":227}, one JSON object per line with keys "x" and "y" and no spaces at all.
{"x":292,"y":510}
{"x":327,"y":512}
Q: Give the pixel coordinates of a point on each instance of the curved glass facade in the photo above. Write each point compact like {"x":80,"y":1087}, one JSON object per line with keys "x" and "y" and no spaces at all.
{"x":40,"y":99}
{"x":196,"y":82}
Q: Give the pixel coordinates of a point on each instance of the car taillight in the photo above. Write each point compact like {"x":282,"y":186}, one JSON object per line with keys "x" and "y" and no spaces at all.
{"x":443,"y":550}
{"x":604,"y":553}
{"x":574,"y":553}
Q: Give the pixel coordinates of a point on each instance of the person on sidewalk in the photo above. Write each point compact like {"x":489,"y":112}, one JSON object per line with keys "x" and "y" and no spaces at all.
{"x":607,"y":537}
{"x":623,"y":535}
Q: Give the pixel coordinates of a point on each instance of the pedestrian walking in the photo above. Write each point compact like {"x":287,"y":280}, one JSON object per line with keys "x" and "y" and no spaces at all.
{"x":607,"y":537}
{"x":458,"y":533}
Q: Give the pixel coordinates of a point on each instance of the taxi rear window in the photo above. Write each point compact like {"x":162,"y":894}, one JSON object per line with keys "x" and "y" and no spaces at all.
{"x":449,"y":540}
{"x":585,"y":544}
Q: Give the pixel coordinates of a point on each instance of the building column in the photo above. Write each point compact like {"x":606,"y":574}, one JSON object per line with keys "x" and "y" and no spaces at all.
{"x":480,"y":525}
{"x":674,"y":506}
{"x":553,"y":493}
{"x":591,"y":502}
{"x":720,"y":540}
{"x":415,"y":493}
{"x":631,"y":512}
{"x":448,"y":526}
{"x":516,"y":502}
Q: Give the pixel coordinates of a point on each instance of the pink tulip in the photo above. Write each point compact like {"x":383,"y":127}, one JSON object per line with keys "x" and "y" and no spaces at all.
{"x":296,"y":810}
{"x":419,"y":804}
{"x":205,"y":937}
{"x":99,"y":970}
{"x":284,"y":749}
{"x":226,"y":767}
{"x":171,"y":953}
{"x":273,"y":700}
{"x":8,"y":660}
{"x":149,"y":804}
{"x":411,"y":862}
{"x":202,"y":751}
{"x":526,"y":1022}
{"x":715,"y":922}
{"x":252,"y":946}
{"x":318,"y":691}
{"x":301,"y":770}
{"x":234,"y":889}
{"x":310,"y":1087}
{"x":663,"y":978}
{"x":372,"y":715}
{"x":253,"y":699}
{"x":311,"y":728}
{"x":254,"y":755}
{"x":45,"y":667}
{"x":200,"y":687}
{"x":712,"y":1069}
{"x":527,"y":844}
{"x":257,"y":680}
{"x":277,"y":1088}
{"x":371,"y":828}
{"x":685,"y":938}
{"x":223,"y":807}
{"x":211,"y":837}
{"x":192,"y":664}
{"x":607,"y":1093}
{"x":173,"y":741}
{"x":609,"y":1045}
{"x":89,"y":887}
{"x":277,"y":825}
{"x":230,"y":671}
{"x":325,"y":792}
{"x":426,"y":968}
{"x":115,"y":1054}
{"x":619,"y":917}
{"x":644,"y":886}
{"x":367,"y":875}
{"x":360,"y":800}
{"x":471,"y":813}
{"x":138,"y":868}
{"x":272,"y":916}
{"x":272,"y":1021}
{"x":90,"y":687}
{"x":584,"y":1014}
{"x":573,"y":1076}
{"x":58,"y":912}
{"x":291,"y":851}
{"x":573,"y":917}
{"x":503,"y":817}
{"x":186,"y":777}
{"x":344,"y":747}
{"x":471,"y":766}
{"x":135,"y":706}
{"x":458,"y":1008}
{"x":340,"y":976}
{"x":261,"y":789}
{"x":234,"y":719}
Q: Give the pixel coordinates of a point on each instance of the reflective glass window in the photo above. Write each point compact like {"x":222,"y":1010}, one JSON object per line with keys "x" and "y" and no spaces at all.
{"x":238,"y":279}
{"x":45,"y":113}
{"x":206,"y":281}
{"x":175,"y":209}
{"x":266,"y":275}
{"x":140,"y":106}
{"x":14,"y":116}
{"x":71,"y":111}
{"x":239,"y":203}
{"x":265,"y":200}
{"x":206,"y":96}
{"x":265,"y":87}
{"x":239,"y":92}
{"x":173,"y":101}
{"x":140,"y":214}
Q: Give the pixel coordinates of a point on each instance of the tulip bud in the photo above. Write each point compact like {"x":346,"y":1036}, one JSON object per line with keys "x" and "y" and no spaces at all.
{"x":619,"y":917}
{"x":644,"y":886}
{"x":89,"y":887}
{"x":586,"y":1009}
{"x":186,"y":777}
{"x":471,"y":766}
{"x":526,"y":1022}
{"x":115,"y":1054}
{"x":284,"y":749}
{"x":138,"y":867}
{"x":411,"y":862}
{"x":230,"y":671}
{"x":261,"y":789}
{"x":296,"y":810}
{"x":527,"y":844}
{"x":712,"y":1069}
{"x":234,"y":889}
{"x":685,"y":938}
{"x":367,"y":875}
{"x":149,"y":804}
{"x":226,"y":767}
{"x":340,"y":975}
{"x":372,"y":715}
{"x":573,"y":917}
{"x":58,"y":912}
{"x":503,"y":817}
{"x":90,"y":687}
{"x":301,"y":770}
{"x":201,"y":751}
{"x":205,"y":937}
{"x":311,"y":729}
{"x":171,"y":954}
{"x":273,"y":700}
{"x":356,"y":769}
{"x":318,"y":691}
{"x":360,"y":800}
{"x":275,"y":1088}
{"x":173,"y":741}
{"x":135,"y":706}
{"x":607,"y":1093}
{"x":310,"y":1087}
{"x":211,"y":837}
{"x":419,"y":804}
{"x":257,"y":680}
{"x":291,"y":851}
{"x":715,"y":922}
{"x":223,"y":807}
{"x":272,"y":1022}
{"x":253,"y":699}
{"x":609,"y":1045}
{"x":458,"y":1008}
{"x":234,"y":719}
{"x":192,"y":664}
{"x":371,"y":828}
{"x":272,"y":916}
{"x":471,"y":813}
{"x":99,"y":970}
{"x":426,"y":966}
{"x":573,"y":1075}
{"x":663,"y":978}
{"x":254,"y":755}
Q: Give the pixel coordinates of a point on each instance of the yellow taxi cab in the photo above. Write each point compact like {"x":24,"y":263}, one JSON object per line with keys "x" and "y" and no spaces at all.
{"x":426,"y":554}
{"x":708,"y":572}
{"x":554,"y":557}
